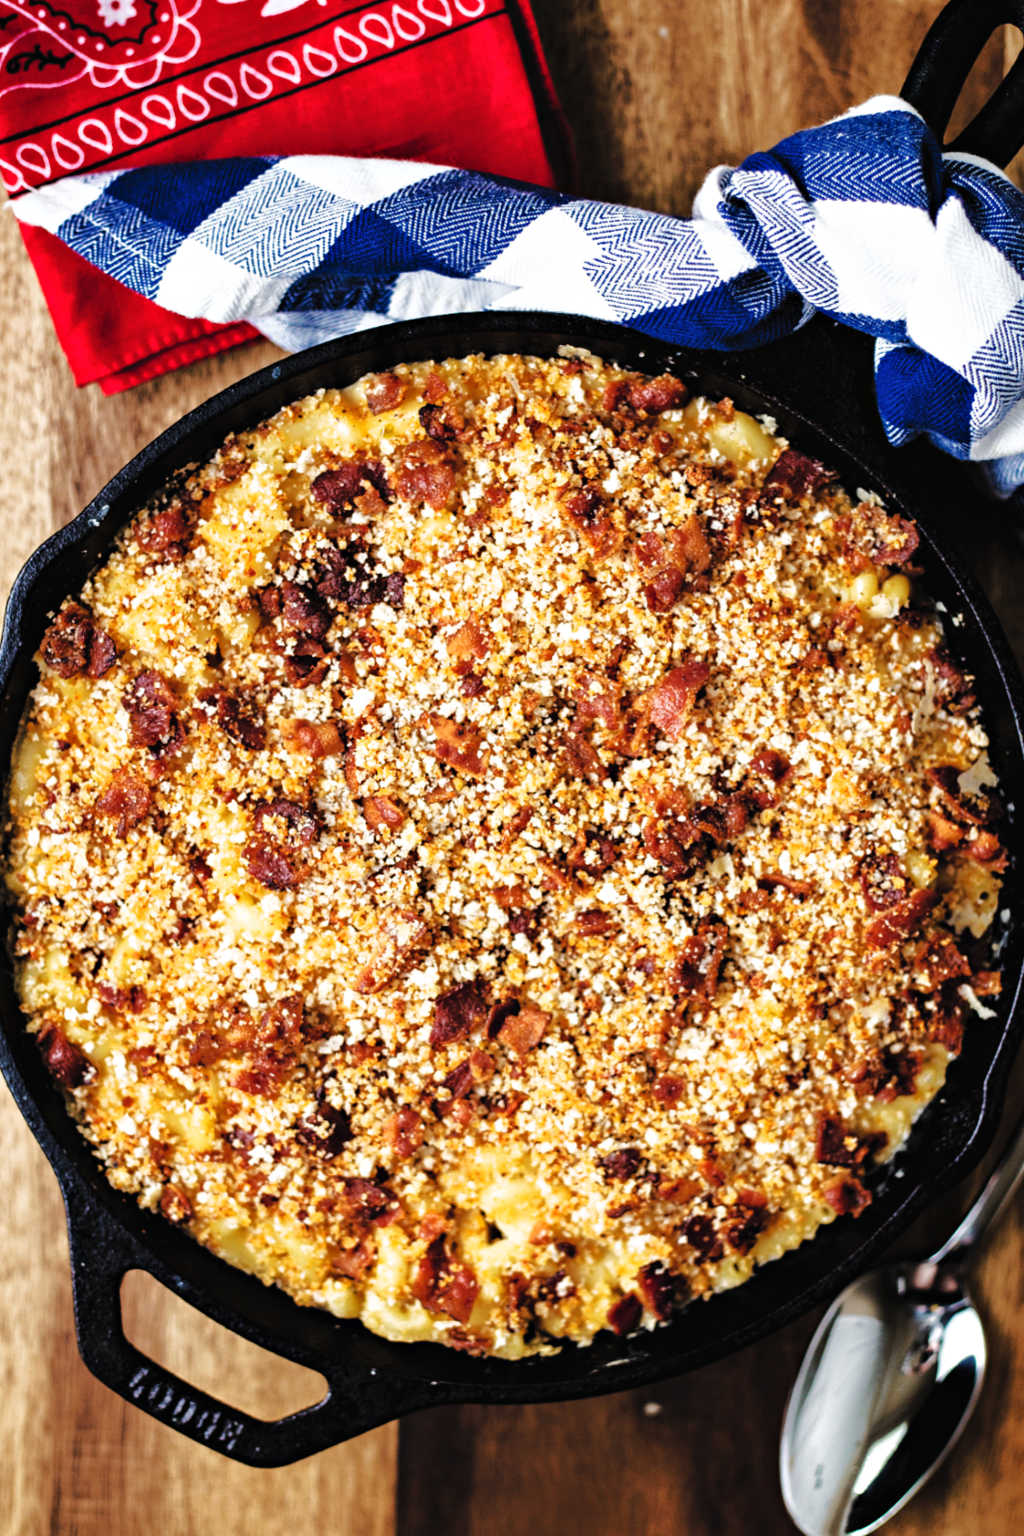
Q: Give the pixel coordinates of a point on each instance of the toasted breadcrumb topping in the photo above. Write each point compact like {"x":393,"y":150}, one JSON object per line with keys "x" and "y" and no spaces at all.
{"x":502,"y":850}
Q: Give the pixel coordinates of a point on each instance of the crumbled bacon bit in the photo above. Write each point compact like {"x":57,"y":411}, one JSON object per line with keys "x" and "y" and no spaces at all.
{"x":899,"y":921}
{"x":836,"y":1145}
{"x":458,"y":1083}
{"x":937,"y":961}
{"x":615,"y":395}
{"x":953,"y":689}
{"x":346,"y":573}
{"x":443,"y":1285}
{"x":943,"y":833}
{"x":523,"y":1030}
{"x":525,"y":922}
{"x":590,"y":516}
{"x":794,"y":476}
{"x":985,"y":848}
{"x":175,"y":1205}
{"x":282,"y":1023}
{"x":623,"y":1163}
{"x":847,"y":1197}
{"x":498,"y":1014}
{"x":467,"y":644}
{"x":674,"y":560}
{"x":668,"y":1090}
{"x":673,"y":843}
{"x":269,"y":1046}
{"x":814,"y":659}
{"x":304,"y":611}
{"x":592,"y":853}
{"x":743,"y":1229}
{"x":664,"y":393}
{"x":700,"y":1233}
{"x":74,"y":644}
{"x":287,"y":819}
{"x":948,"y":1029}
{"x":380,"y":811}
{"x":354,"y":1263}
{"x":883,"y":881}
{"x":440,"y":422}
{"x":459,"y":745}
{"x":518,"y":822}
{"x":955,"y":804}
{"x":404,"y":1131}
{"x":395,"y":946}
{"x":152,"y":703}
{"x":237,"y":722}
{"x":677,"y":1191}
{"x":122,"y":999}
{"x":671,"y":701}
{"x":306,"y":663}
{"x":369,"y":1202}
{"x":658,"y":1288}
{"x":597,"y":700}
{"x":384,"y":391}
{"x":457,"y":1013}
{"x":890,"y":1074}
{"x":774,"y":881}
{"x":66,"y":1062}
{"x":482,"y":1066}
{"x":127,"y":798}
{"x":624,"y":1315}
{"x":318,"y":738}
{"x":694,"y":975}
{"x":424,"y":474}
{"x":772,"y":765}
{"x":102,"y":654}
{"x":270,"y":865}
{"x":594,"y":923}
{"x":338,"y":488}
{"x":897,"y":540}
{"x":166,"y":533}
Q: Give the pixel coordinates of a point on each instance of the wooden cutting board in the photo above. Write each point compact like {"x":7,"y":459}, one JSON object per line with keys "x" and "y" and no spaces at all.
{"x":657,"y":91}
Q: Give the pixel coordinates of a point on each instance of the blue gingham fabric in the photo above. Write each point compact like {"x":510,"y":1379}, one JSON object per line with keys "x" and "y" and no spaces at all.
{"x":864,"y":218}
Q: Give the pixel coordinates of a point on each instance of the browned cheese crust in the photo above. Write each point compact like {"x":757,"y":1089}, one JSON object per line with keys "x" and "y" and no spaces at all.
{"x":502,"y":850}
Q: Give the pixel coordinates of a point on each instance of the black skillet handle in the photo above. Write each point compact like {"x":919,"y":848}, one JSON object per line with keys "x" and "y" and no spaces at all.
{"x":101,"y":1255}
{"x":943,"y":62}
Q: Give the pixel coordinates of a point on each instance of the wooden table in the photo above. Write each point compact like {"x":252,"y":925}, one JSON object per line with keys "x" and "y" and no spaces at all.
{"x":656,"y":92}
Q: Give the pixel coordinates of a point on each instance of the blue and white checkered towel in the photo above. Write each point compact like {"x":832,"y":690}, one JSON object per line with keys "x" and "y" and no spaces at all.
{"x":864,"y":218}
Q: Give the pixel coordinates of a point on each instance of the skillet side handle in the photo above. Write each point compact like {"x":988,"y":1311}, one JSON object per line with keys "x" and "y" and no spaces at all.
{"x":100,"y":1258}
{"x":945,"y":59}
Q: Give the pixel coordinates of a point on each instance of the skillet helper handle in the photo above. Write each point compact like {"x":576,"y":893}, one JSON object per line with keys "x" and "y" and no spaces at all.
{"x":945,"y":59}
{"x":101,"y":1255}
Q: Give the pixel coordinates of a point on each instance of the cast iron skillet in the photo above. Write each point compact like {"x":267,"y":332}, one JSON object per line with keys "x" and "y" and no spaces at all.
{"x":817,"y":385}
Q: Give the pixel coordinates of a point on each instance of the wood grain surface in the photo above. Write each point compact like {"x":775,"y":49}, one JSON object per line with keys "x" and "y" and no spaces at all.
{"x":656,"y":92}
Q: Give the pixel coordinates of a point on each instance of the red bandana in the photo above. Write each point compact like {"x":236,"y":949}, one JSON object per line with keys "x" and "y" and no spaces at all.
{"x":91,"y":84}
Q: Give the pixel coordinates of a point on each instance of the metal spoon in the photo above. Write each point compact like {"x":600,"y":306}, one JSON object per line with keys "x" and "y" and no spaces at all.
{"x":889,"y":1380}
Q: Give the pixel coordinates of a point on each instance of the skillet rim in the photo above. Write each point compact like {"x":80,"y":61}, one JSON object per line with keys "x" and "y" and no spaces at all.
{"x":269,"y":1317}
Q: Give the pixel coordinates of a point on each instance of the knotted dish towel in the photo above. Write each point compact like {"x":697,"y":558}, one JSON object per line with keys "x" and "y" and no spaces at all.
{"x":87,"y":85}
{"x":864,"y":218}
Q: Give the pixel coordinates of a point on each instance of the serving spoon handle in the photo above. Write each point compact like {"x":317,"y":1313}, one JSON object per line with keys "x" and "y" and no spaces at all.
{"x":999,"y":1189}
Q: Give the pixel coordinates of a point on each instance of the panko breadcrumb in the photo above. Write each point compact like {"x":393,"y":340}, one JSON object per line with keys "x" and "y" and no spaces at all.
{"x":502,"y":850}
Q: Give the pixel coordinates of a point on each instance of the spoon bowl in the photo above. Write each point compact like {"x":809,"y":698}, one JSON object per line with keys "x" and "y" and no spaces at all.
{"x":885,"y":1389}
